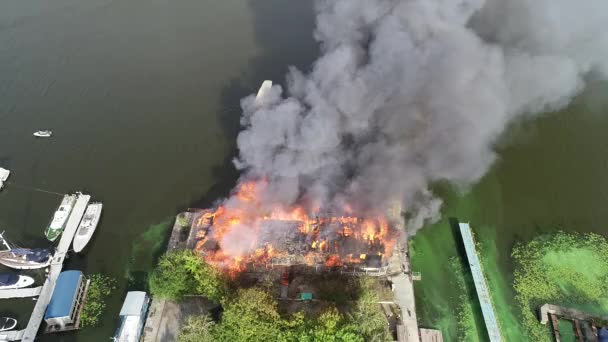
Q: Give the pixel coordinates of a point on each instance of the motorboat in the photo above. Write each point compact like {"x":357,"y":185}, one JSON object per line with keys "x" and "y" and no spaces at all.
{"x":7,"y":323}
{"x":43,"y":134}
{"x":87,"y":226}
{"x":60,"y":217}
{"x":4,"y":173}
{"x":264,"y":89}
{"x":14,"y":281}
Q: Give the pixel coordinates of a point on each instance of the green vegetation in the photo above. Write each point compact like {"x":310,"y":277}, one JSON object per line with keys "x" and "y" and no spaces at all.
{"x":197,"y":329}
{"x":180,"y":273}
{"x":370,"y":322}
{"x":465,"y":312}
{"x":100,"y":289}
{"x":182,"y":220}
{"x":146,"y":250}
{"x":564,"y":269}
{"x":253,"y":315}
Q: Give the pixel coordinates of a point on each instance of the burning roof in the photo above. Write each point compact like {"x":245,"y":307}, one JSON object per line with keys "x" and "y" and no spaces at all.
{"x":238,"y":237}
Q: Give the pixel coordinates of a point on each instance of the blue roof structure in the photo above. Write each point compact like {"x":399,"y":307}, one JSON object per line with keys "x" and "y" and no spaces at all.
{"x":603,"y":335}
{"x":63,"y":295}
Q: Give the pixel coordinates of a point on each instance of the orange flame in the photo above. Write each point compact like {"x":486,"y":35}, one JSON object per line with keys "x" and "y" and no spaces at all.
{"x":331,"y":240}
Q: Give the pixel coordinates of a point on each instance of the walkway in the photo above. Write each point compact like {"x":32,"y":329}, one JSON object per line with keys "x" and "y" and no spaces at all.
{"x":481,"y":287}
{"x":568,"y":313}
{"x":20,"y":293}
{"x":403,"y":289}
{"x":29,"y":333}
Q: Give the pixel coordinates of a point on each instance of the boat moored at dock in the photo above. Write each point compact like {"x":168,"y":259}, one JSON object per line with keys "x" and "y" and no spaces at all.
{"x":60,"y":217}
{"x":7,"y":323}
{"x":25,"y":258}
{"x":132,"y":317}
{"x":87,"y":226}
{"x":14,"y":281}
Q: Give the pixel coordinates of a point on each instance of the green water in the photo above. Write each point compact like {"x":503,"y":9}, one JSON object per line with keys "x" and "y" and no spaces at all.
{"x":143,"y":99}
{"x":550,"y":176}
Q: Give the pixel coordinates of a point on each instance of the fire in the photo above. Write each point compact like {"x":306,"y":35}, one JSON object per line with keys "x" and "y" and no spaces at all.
{"x":243,"y":231}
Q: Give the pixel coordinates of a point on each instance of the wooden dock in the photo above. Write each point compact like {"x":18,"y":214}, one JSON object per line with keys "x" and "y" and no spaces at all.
{"x":30,"y":332}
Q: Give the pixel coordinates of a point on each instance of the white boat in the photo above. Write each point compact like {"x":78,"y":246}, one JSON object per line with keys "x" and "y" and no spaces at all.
{"x":10,"y":281}
{"x":7,"y":323}
{"x":43,"y":134}
{"x":132,"y":317}
{"x":87,"y":226}
{"x":25,"y":258}
{"x":4,"y":173}
{"x":60,"y":217}
{"x":264,"y":89}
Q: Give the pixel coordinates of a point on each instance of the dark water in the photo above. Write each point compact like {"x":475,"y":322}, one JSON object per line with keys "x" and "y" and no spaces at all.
{"x":143,"y":99}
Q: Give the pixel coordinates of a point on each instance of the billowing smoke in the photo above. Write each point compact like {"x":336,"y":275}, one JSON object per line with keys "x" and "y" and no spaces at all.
{"x":410,"y":92}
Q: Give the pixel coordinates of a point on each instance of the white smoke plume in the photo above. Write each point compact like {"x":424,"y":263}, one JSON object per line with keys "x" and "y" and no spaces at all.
{"x":410,"y":92}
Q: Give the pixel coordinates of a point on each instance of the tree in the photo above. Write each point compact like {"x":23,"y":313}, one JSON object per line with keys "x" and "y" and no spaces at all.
{"x":251,"y":315}
{"x":330,"y":326}
{"x":182,"y":272}
{"x":366,"y":315}
{"x":197,"y":329}
{"x":100,"y":288}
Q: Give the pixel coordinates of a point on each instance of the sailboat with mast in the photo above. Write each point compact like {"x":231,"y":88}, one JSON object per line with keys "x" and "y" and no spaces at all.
{"x":24,"y":258}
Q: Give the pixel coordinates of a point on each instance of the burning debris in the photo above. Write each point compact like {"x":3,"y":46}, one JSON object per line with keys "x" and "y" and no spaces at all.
{"x":241,"y":237}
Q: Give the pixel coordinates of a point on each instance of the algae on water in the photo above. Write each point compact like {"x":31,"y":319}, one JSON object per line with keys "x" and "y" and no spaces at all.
{"x":564,"y":269}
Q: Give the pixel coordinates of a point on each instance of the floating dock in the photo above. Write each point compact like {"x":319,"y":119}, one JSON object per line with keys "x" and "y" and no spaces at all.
{"x":29,"y":333}
{"x":21,"y":293}
{"x":481,"y":287}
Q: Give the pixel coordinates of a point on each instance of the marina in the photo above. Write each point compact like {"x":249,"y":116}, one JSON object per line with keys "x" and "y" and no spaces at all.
{"x":56,"y":265}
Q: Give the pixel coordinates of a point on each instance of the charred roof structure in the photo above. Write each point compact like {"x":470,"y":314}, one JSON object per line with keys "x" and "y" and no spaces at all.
{"x":323,"y":244}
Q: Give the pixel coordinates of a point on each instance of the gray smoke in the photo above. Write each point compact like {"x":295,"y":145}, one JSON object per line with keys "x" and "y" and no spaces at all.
{"x":410,"y":92}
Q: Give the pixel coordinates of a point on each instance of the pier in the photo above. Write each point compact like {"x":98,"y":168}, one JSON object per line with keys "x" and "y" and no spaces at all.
{"x":481,"y":287}
{"x":21,"y":293}
{"x":29,"y":333}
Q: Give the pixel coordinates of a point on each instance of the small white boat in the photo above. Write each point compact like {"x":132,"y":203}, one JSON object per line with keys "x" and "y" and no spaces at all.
{"x":264,"y":89}
{"x":10,"y":281}
{"x":87,"y":226}
{"x":43,"y":134}
{"x":4,"y":173}
{"x":7,"y":323}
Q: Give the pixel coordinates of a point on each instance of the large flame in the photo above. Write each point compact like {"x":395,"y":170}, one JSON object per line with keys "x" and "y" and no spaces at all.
{"x":243,"y":231}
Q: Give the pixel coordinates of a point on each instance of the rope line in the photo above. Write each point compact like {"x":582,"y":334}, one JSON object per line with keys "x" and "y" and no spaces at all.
{"x":24,"y":187}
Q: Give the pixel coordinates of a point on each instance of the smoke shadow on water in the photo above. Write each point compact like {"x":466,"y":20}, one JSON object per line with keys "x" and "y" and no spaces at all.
{"x":282,"y":44}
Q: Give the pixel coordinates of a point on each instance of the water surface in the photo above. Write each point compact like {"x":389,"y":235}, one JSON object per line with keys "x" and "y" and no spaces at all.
{"x":143,"y":99}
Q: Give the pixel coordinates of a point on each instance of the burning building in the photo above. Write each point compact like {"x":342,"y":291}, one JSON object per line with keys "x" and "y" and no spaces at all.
{"x":244,"y":237}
